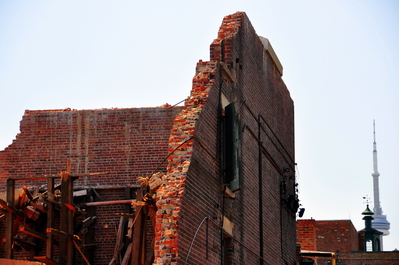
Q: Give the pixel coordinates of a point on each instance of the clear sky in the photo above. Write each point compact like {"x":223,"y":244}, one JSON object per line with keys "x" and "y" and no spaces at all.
{"x":340,"y":59}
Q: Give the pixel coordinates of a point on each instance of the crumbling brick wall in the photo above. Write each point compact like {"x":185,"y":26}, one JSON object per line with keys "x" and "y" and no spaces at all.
{"x":199,"y":219}
{"x":192,"y":202}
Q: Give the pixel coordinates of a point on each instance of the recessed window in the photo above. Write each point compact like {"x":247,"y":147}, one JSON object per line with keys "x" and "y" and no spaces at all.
{"x":231,"y":148}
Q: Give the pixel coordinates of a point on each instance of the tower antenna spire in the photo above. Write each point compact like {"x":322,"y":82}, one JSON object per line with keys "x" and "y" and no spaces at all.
{"x":380,"y":221}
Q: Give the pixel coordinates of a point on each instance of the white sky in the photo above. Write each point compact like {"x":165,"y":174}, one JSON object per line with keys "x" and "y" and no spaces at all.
{"x":340,"y":59}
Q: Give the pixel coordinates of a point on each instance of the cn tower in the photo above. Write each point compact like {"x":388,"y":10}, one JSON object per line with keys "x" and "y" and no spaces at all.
{"x":380,"y":221}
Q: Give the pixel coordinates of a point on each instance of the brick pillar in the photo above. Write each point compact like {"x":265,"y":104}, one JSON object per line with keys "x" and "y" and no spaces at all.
{"x":307,"y":234}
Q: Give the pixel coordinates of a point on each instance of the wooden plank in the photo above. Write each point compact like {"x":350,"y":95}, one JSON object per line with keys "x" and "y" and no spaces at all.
{"x":90,"y":235}
{"x":62,"y":234}
{"x":112,"y":262}
{"x":38,"y":206}
{"x":66,"y":222}
{"x":70,"y":207}
{"x":50,"y":218}
{"x":32,"y":232}
{"x":107,"y":202}
{"x":119,"y":239}
{"x":129,"y":227}
{"x":138,"y":255}
{"x":89,"y":174}
{"x":229,"y":193}
{"x":27,"y":192}
{"x":150,"y":257}
{"x":46,"y":260}
{"x":126,"y":257}
{"x":45,"y":177}
{"x":8,"y":206}
{"x":18,"y":262}
{"x":21,"y":199}
{"x":10,"y":218}
{"x":81,"y":253}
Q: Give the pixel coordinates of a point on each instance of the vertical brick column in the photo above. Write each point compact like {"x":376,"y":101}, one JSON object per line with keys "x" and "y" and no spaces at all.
{"x":307,"y":233}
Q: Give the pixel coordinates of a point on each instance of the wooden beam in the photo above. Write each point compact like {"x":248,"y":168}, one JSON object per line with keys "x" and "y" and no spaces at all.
{"x":66,"y":222}
{"x":126,"y":257}
{"x":45,"y":177}
{"x":62,"y":234}
{"x":10,"y":218}
{"x":81,"y":252}
{"x":107,"y":202}
{"x":27,"y":192}
{"x":89,"y":174}
{"x":50,"y":219}
{"x":38,"y":206}
{"x":229,"y":193}
{"x":119,"y":239}
{"x":8,"y":206}
{"x":46,"y":260}
{"x":21,"y":199}
{"x":18,"y":262}
{"x":32,"y":232}
{"x":139,"y":233}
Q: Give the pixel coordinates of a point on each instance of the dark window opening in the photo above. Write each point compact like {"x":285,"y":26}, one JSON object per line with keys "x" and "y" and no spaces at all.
{"x":231,"y":150}
{"x":227,"y":250}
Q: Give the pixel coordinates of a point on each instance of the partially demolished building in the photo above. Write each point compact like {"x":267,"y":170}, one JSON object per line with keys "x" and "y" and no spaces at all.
{"x":211,"y":182}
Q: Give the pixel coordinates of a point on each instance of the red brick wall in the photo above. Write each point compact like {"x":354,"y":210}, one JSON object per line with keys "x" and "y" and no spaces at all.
{"x":337,"y":236}
{"x":130,"y":143}
{"x":256,"y":88}
{"x":127,"y":143}
{"x":370,"y":258}
{"x":340,"y":237}
{"x":307,"y":234}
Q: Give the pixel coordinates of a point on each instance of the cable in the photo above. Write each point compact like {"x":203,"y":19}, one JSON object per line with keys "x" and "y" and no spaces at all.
{"x":235,"y":239}
{"x":192,"y":241}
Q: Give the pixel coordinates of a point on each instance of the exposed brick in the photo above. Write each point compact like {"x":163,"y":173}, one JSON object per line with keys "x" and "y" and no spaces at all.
{"x":131,"y":143}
